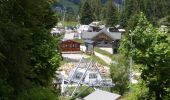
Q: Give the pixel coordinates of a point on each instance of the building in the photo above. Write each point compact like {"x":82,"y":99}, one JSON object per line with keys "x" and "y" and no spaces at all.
{"x":104,"y":38}
{"x":102,"y":95}
{"x":69,"y":46}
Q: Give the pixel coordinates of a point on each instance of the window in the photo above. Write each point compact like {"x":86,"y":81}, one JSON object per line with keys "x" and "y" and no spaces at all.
{"x":78,"y":75}
{"x":92,"y":75}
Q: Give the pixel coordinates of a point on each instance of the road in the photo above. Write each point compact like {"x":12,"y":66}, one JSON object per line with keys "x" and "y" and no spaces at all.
{"x":103,"y":57}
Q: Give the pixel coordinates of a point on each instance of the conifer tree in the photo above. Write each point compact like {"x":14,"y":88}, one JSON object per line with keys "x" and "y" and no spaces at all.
{"x":111,"y":16}
{"x":86,"y":14}
{"x":28,"y":53}
{"x":96,"y":7}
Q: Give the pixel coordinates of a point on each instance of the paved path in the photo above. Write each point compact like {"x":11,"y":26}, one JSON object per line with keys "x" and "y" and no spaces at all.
{"x":103,"y":57}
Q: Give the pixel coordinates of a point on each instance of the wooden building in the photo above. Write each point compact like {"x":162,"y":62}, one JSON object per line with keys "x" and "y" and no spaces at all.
{"x":69,"y":46}
{"x":103,"y":38}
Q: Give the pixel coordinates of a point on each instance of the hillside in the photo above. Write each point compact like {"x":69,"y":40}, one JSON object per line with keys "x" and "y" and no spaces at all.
{"x":72,"y":5}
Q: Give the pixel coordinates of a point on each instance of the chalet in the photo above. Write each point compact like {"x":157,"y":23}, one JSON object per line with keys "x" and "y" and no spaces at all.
{"x":105,"y":38}
{"x":69,"y":46}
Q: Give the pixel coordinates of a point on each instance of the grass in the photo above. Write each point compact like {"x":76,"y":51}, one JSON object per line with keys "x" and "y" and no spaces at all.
{"x":137,"y":92}
{"x":103,"y":52}
{"x":83,"y":90}
{"x":69,"y":23}
{"x":97,"y":59}
{"x":79,"y":40}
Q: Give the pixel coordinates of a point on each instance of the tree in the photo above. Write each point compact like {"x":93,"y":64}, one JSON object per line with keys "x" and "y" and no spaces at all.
{"x":28,"y":55}
{"x":154,"y":10}
{"x":86,"y":14}
{"x":111,"y":18}
{"x":151,"y":49}
{"x":120,"y":75}
{"x":96,"y":7}
{"x":131,"y":8}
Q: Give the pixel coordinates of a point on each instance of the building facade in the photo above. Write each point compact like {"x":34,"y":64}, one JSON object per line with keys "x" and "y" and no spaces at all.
{"x":69,"y":46}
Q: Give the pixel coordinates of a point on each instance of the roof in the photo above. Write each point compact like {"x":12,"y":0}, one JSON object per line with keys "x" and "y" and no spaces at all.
{"x":88,"y":35}
{"x":91,"y":35}
{"x":69,"y":36}
{"x":68,"y":40}
{"x":102,"y":95}
{"x":89,"y":41}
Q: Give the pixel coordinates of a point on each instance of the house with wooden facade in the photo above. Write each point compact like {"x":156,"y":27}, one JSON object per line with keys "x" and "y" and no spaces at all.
{"x":105,"y":38}
{"x":70,"y":46}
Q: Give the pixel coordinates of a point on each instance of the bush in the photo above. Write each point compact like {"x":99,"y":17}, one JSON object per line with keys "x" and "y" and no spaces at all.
{"x":38,"y":93}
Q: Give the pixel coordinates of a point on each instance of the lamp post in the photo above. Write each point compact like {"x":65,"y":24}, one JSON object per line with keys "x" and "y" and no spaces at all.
{"x":64,"y":14}
{"x":131,"y":63}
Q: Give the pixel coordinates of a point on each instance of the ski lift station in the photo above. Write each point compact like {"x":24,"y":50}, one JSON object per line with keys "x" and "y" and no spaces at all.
{"x":89,"y":76}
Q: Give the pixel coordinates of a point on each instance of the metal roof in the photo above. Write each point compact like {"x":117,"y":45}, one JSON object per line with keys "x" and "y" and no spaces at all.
{"x":102,"y":95}
{"x":91,"y":35}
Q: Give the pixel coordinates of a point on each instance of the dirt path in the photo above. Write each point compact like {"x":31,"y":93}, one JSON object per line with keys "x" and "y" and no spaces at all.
{"x":104,"y":58}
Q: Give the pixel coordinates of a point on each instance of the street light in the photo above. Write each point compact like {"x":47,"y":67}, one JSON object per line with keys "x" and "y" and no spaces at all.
{"x":64,"y":14}
{"x":131,"y":62}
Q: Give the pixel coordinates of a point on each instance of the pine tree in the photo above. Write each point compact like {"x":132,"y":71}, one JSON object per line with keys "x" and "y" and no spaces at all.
{"x":86,"y":14}
{"x":28,"y":53}
{"x":96,"y":7}
{"x":111,"y":18}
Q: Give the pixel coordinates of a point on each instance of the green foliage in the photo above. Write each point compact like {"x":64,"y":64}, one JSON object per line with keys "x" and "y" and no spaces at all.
{"x":150,"y":47}
{"x":86,"y":14}
{"x":138,"y":92}
{"x":28,"y":53}
{"x":37,"y":93}
{"x":96,"y":7}
{"x":111,"y":16}
{"x":154,"y":10}
{"x":120,"y":75}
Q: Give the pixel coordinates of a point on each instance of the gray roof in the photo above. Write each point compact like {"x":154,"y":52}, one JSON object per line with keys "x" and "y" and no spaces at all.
{"x":102,"y":95}
{"x":88,"y":35}
{"x":89,"y":41}
{"x":91,"y":35}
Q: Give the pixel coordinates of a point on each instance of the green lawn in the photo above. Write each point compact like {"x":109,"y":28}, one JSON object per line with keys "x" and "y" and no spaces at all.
{"x":70,"y":23}
{"x":97,"y":59}
{"x":79,"y":40}
{"x":103,"y":52}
